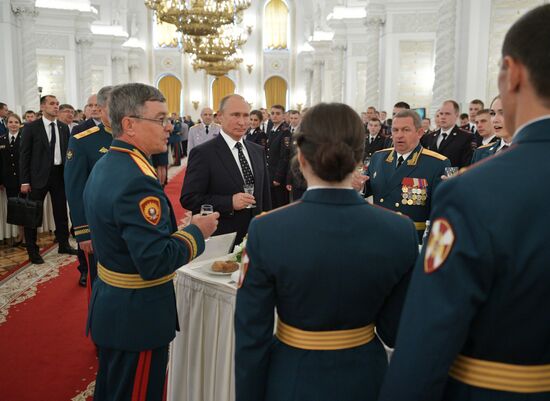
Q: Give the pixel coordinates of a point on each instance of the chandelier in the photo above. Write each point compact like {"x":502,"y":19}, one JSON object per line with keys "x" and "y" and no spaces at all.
{"x":218,"y":68}
{"x":215,"y":48}
{"x":197,"y":17}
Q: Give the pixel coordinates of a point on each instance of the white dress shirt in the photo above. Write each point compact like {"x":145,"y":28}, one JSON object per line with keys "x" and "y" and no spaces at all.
{"x":440,"y":136}
{"x":486,"y":141}
{"x":235,"y":152}
{"x":57,"y":160}
{"x":405,"y":156}
{"x":13,"y":136}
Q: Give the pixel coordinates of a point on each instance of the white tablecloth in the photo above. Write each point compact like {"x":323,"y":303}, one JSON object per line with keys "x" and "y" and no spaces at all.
{"x":201,"y":355}
{"x":10,"y":231}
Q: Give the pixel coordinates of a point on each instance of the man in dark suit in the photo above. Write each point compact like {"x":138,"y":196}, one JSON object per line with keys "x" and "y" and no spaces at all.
{"x":278,"y":155}
{"x":449,"y":140}
{"x":43,"y":149}
{"x":3,"y":116}
{"x":374,"y":140}
{"x":95,"y":116}
{"x":219,"y":169}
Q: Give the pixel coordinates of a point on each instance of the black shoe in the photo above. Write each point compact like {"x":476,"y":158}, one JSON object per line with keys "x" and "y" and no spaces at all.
{"x":67,"y":249}
{"x":36,"y":258}
{"x":83,"y":280}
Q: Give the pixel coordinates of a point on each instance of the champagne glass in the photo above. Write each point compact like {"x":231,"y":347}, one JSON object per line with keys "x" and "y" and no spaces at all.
{"x":366,"y":163}
{"x":451,"y":171}
{"x":249,"y":189}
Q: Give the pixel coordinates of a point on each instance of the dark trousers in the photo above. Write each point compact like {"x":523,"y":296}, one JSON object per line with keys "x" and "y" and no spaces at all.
{"x":127,"y":375}
{"x":12,"y":192}
{"x":56,"y":188}
{"x":184,"y":147}
{"x":84,"y":267}
{"x":279,"y":196}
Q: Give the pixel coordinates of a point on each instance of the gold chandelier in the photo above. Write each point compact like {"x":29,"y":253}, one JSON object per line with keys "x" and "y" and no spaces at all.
{"x":196,"y":17}
{"x":218,"y":68}
{"x":215,"y":48}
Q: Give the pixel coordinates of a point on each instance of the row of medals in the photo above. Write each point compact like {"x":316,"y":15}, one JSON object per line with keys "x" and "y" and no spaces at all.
{"x":413,"y":196}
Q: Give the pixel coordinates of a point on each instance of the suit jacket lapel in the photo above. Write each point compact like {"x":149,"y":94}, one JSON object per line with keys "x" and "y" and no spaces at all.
{"x":228,"y":161}
{"x":449,"y":138}
{"x":43,"y":133}
{"x":405,"y":170}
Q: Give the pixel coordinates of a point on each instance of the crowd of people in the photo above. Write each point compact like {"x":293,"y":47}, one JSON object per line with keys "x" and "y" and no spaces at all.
{"x":466,"y":315}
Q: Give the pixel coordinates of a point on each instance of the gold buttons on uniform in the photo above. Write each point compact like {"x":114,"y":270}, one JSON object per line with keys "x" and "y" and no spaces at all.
{"x":381,"y":200}
{"x":396,"y":204}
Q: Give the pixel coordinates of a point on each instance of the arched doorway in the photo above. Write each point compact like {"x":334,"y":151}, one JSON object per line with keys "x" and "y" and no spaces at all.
{"x":170,"y":87}
{"x":275,"y":91}
{"x":221,"y":87}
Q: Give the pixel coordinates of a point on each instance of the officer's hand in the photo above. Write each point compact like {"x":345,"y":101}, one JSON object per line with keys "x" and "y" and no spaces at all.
{"x":2,"y":188}
{"x":358,"y":180}
{"x":207,"y":224}
{"x":289,"y":188}
{"x":25,"y":188}
{"x":86,"y":246}
{"x":242,"y":200}
{"x":276,"y":184}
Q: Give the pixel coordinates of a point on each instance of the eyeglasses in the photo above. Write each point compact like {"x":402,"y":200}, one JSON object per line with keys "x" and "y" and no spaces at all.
{"x":163,"y":122}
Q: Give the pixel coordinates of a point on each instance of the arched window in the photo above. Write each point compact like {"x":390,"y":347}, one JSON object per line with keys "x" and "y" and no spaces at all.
{"x":275,"y":91}
{"x":276,"y":25}
{"x":221,"y":87}
{"x":170,"y":87}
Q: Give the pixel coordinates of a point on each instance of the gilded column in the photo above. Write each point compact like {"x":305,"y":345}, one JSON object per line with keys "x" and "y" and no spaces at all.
{"x":374,"y":25}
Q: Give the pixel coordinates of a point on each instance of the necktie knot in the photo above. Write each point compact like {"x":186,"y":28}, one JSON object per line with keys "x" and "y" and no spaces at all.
{"x":400,"y":161}
{"x":12,"y":140}
{"x":206,"y":127}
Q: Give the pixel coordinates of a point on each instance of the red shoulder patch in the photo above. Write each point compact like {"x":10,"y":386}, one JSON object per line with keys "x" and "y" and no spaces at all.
{"x":440,"y":244}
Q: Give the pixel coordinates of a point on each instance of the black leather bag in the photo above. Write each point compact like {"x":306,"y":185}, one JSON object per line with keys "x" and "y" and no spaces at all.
{"x":23,"y":211}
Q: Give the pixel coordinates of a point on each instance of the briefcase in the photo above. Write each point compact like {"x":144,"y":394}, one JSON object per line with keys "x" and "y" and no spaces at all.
{"x":25,"y":212}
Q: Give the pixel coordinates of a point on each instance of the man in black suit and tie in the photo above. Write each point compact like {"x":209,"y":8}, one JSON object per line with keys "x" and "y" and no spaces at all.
{"x":374,"y":140}
{"x":278,"y":156}
{"x":43,"y":148}
{"x":218,"y":170}
{"x":449,"y":140}
{"x":3,"y":118}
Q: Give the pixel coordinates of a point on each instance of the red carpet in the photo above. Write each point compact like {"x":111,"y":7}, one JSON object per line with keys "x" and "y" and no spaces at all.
{"x":44,"y":354}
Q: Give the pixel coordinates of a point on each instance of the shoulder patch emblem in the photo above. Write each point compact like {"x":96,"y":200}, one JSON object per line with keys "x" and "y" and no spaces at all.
{"x":150,"y":209}
{"x":440,"y":243}
{"x":103,"y":150}
{"x":70,"y":154}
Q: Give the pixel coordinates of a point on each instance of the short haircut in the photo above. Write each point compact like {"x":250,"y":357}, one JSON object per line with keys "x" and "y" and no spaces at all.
{"x":2,"y":105}
{"x":65,"y":106}
{"x":258,"y":114}
{"x":375,"y":120}
{"x":455,"y":105}
{"x":402,"y":105}
{"x":44,"y":98}
{"x":279,"y":107}
{"x":483,"y":111}
{"x":103,"y":95}
{"x":527,"y":42}
{"x":371,"y":108}
{"x":464,"y":115}
{"x":128,"y":100}
{"x":293,"y":112}
{"x":29,"y":112}
{"x":427,"y":118}
{"x":224,"y":101}
{"x":479,"y":102}
{"x":410,"y":113}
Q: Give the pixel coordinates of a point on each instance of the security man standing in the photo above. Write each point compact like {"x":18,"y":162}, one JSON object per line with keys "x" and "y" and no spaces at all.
{"x":84,"y":150}
{"x":404,"y":178}
{"x":475,"y":324}
{"x":132,"y":314}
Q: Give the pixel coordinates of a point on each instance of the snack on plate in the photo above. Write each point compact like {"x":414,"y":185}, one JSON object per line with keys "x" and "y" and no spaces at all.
{"x":225,"y":266}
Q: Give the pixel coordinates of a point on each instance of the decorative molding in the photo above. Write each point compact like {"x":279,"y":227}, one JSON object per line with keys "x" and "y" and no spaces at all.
{"x":415,"y":22}
{"x":276,"y":63}
{"x":51,"y":41}
{"x":84,"y":40}
{"x":22,"y":11}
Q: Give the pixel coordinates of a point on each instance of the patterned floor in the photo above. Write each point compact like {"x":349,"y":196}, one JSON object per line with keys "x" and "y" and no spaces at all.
{"x":11,"y":258}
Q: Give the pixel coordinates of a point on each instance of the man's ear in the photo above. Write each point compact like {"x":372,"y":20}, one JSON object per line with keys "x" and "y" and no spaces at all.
{"x":128,"y":126}
{"x":514,"y":74}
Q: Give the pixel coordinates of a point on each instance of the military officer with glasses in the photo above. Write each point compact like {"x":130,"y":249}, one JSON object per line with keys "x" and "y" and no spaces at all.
{"x":132,"y":315}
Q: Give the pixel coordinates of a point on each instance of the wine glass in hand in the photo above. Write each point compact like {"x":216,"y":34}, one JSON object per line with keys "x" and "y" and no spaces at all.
{"x":249,"y":189}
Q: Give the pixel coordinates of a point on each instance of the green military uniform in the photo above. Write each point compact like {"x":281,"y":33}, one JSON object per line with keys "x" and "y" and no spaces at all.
{"x":406,"y":189}
{"x":334,"y":267}
{"x":132,"y":314}
{"x":83,"y":151}
{"x":485,"y":151}
{"x":475,"y":325}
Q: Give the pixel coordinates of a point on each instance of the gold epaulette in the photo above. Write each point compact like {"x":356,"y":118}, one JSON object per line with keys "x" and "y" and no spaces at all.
{"x":486,"y":146}
{"x":139,"y":159}
{"x":384,"y":150}
{"x":83,"y":134}
{"x":433,"y":154}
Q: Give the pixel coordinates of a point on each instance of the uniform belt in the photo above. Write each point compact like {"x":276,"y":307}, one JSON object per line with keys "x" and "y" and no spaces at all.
{"x":324,"y":340}
{"x":420,"y":226}
{"x":501,"y":376}
{"x":129,"y":281}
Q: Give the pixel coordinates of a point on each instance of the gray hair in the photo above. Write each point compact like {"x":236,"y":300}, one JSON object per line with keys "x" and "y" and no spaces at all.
{"x":103,"y":95}
{"x":128,"y":100}
{"x":223,"y":102}
{"x":410,"y":113}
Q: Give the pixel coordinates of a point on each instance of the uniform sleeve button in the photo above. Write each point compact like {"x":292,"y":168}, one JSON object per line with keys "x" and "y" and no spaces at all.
{"x":381,"y":200}
{"x":396,"y":204}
